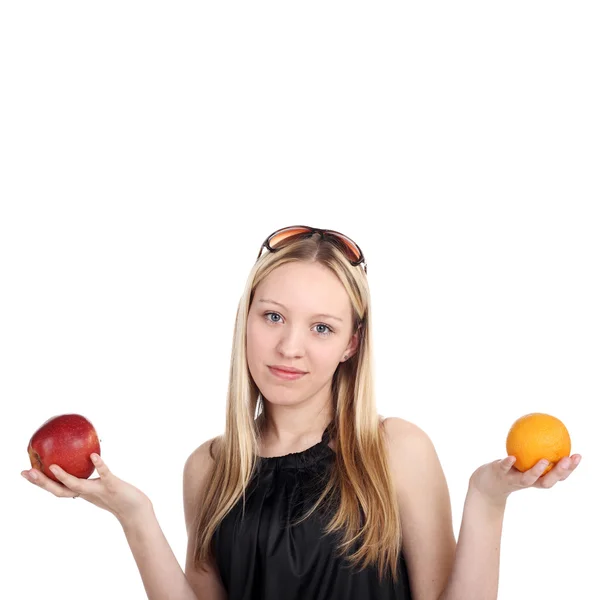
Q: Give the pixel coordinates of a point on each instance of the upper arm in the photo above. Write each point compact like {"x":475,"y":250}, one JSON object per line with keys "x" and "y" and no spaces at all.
{"x":423,"y":498}
{"x":198,"y":468}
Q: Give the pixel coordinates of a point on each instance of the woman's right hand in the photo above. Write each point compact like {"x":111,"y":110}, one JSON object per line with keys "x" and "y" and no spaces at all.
{"x":108,"y":492}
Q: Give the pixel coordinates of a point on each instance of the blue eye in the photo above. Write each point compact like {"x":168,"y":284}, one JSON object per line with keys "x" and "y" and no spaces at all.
{"x":326,"y":327}
{"x":321,"y":333}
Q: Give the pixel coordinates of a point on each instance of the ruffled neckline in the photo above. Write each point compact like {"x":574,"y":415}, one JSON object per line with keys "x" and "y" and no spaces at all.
{"x":320,"y":452}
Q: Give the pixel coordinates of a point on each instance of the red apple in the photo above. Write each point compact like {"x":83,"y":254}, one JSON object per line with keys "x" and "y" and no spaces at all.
{"x":66,"y":441}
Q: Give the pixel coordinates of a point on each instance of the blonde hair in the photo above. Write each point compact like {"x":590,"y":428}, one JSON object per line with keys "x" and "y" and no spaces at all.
{"x":367,"y":512}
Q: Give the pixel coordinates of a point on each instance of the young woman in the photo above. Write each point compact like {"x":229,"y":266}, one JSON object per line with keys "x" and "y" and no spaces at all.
{"x":310,"y":494}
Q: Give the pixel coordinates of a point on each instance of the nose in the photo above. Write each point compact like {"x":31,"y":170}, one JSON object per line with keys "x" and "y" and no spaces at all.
{"x":291,"y":343}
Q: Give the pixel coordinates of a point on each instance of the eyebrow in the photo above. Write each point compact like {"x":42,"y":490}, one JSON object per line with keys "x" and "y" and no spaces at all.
{"x":267,"y":300}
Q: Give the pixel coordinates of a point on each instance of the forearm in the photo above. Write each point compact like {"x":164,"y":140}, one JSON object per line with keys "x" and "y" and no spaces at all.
{"x":161,"y":573}
{"x":476,"y":568}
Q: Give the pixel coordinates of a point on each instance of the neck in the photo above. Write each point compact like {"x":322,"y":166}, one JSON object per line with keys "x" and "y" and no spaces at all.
{"x":286,"y":425}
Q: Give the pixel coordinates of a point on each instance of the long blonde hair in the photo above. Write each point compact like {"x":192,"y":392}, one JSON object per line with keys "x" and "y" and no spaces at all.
{"x":367,"y":512}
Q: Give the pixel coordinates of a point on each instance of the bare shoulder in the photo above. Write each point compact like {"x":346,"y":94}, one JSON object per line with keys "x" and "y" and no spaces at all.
{"x":399,"y":430}
{"x":411,"y":453}
{"x":423,"y":499}
{"x":203,"y":455}
{"x":405,"y":437}
{"x":197,"y":471}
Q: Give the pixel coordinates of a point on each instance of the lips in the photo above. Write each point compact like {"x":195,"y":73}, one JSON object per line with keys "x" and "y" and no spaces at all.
{"x":287,"y":375}
{"x":287,"y":369}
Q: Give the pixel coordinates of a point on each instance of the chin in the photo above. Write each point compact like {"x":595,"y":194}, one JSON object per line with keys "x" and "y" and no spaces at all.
{"x":281,"y":399}
{"x":274,"y":394}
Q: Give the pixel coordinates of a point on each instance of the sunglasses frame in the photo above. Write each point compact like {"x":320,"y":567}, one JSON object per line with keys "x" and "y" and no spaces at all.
{"x":330,"y":233}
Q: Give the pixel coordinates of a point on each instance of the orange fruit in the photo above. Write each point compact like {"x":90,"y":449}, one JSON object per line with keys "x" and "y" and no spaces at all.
{"x":536,"y":436}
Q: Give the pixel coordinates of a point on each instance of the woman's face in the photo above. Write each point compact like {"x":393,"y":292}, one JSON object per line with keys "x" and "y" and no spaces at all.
{"x":300,"y":317}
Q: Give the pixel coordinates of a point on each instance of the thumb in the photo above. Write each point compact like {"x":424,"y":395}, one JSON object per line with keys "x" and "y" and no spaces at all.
{"x":100,"y":465}
{"x":507,"y":463}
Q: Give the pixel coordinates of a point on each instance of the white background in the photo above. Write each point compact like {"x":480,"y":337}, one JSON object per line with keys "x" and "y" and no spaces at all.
{"x":147,"y":149}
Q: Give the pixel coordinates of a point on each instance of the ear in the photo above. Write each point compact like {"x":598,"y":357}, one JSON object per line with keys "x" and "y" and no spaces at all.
{"x":353,"y":344}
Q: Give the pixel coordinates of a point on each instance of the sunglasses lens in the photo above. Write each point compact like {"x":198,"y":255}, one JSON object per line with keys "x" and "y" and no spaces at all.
{"x":347,"y":246}
{"x":283,"y":235}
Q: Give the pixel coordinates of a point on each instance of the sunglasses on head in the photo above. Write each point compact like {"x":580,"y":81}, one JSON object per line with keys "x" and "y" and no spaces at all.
{"x":282,"y":237}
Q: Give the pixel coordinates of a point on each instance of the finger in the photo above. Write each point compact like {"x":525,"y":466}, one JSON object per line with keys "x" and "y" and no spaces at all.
{"x":30,"y":475}
{"x":42,"y":481}
{"x":529,"y":477}
{"x":550,"y":478}
{"x":507,"y":463}
{"x":100,"y":465}
{"x":72,"y":483}
{"x":565,"y":467}
{"x":559,"y":472}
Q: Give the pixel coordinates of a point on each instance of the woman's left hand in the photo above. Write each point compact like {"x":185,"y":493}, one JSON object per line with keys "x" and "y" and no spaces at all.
{"x":498,"y":479}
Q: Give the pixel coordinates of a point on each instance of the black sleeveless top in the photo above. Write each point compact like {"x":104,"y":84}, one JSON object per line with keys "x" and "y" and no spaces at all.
{"x":265,"y":556}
